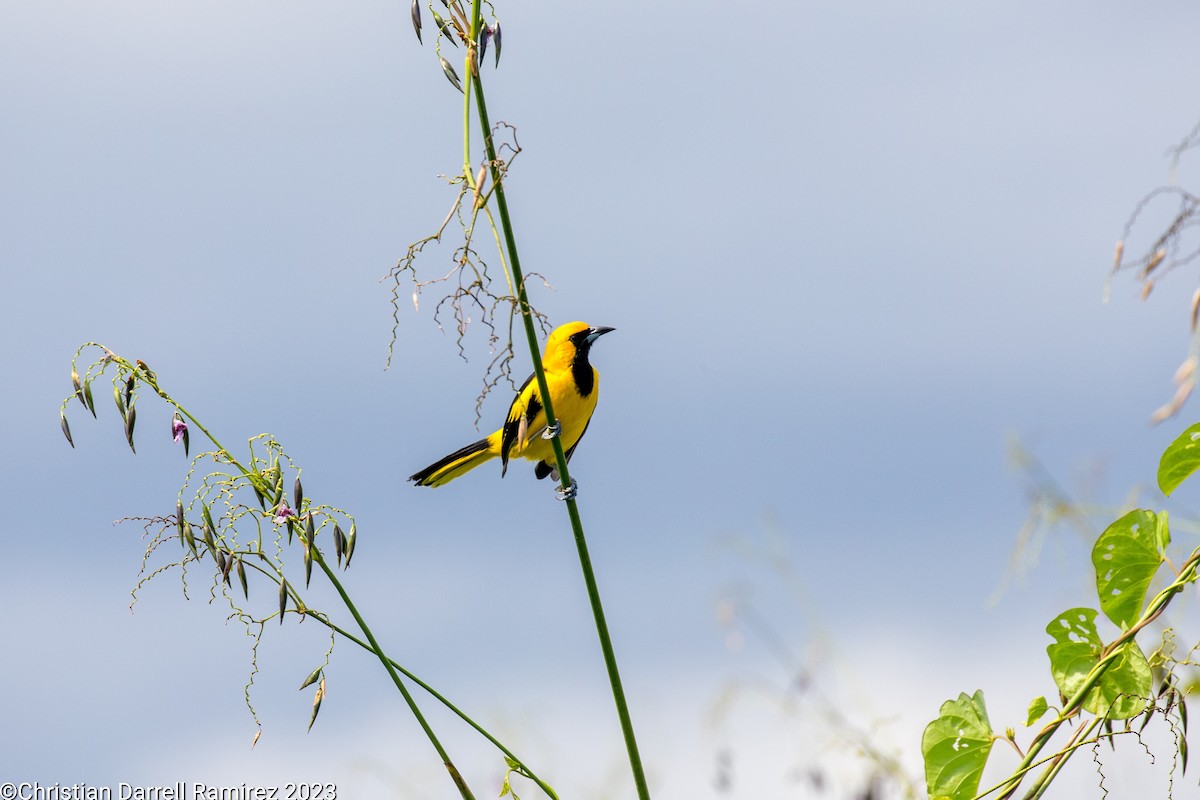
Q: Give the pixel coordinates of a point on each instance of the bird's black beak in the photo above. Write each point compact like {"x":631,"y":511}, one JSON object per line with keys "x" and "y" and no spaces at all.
{"x":596,"y":333}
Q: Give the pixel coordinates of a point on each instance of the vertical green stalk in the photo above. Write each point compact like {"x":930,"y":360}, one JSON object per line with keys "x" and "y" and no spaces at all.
{"x":391,"y":670}
{"x":585,"y":561}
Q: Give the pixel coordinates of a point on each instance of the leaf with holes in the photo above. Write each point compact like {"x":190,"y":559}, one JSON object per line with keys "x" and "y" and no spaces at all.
{"x":956,"y":747}
{"x":1123,"y":689}
{"x":1179,"y":460}
{"x":1126,"y":556}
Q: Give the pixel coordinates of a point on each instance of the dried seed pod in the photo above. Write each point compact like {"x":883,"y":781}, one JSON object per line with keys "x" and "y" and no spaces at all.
{"x":145,"y":368}
{"x":129,"y":389}
{"x":66,"y":429}
{"x":130,"y":421}
{"x":1154,"y":261}
{"x":297,"y":495}
{"x":320,"y":695}
{"x":495,"y":28}
{"x":282,"y":598}
{"x":312,"y":678}
{"x":485,"y":33}
{"x":241,"y":570}
{"x":451,"y":75}
{"x":416,"y":19}
{"x":226,"y":566}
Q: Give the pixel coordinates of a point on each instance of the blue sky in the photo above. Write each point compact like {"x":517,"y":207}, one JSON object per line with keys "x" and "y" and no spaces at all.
{"x":849,"y":250}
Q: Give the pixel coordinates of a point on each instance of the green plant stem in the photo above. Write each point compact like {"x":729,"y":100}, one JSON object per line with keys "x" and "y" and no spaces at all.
{"x":526,"y":771}
{"x":459,"y":782}
{"x":1071,"y":708}
{"x":1079,"y":739}
{"x":585,"y":562}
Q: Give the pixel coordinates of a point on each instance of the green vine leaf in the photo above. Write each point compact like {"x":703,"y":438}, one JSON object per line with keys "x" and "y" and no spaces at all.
{"x":1122,"y":691}
{"x":1126,"y":556}
{"x":1179,"y":460}
{"x":956,"y":747}
{"x":1037,"y":709}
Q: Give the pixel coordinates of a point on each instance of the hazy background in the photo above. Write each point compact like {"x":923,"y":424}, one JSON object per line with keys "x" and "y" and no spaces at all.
{"x":849,"y":249}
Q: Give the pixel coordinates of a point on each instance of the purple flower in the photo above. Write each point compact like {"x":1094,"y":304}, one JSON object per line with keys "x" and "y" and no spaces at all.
{"x":178,"y":429}
{"x":283,"y":513}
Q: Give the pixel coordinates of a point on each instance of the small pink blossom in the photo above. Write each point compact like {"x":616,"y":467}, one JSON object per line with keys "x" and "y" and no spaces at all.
{"x":283,"y":513}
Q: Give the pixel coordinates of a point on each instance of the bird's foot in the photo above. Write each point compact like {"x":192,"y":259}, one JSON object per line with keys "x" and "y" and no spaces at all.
{"x":567,"y":492}
{"x":552,"y":430}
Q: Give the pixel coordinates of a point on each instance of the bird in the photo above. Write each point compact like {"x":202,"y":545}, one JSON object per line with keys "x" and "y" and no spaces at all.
{"x":574,"y":386}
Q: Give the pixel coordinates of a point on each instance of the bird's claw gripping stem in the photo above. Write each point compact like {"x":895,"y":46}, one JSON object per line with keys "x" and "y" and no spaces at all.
{"x":552,"y":430}
{"x":567,"y":492}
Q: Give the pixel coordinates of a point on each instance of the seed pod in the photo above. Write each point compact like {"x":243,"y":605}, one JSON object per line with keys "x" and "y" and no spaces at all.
{"x":416,"y":19}
{"x":317,"y":703}
{"x":191,"y":543}
{"x":309,"y":534}
{"x":350,"y":540}
{"x":120,"y":401}
{"x":339,"y":542}
{"x":130,"y":421}
{"x":262,"y":501}
{"x":128,"y":389}
{"x":485,"y":33}
{"x":66,"y":429}
{"x":312,"y":678}
{"x":186,"y":442}
{"x":78,"y":388}
{"x":207,"y":515}
{"x":241,"y":570}
{"x":209,"y":542}
{"x":179,"y":523}
{"x":226,"y":566}
{"x":145,"y":368}
{"x":445,"y":28}
{"x":451,"y":75}
{"x":297,"y":495}
{"x":87,"y":395}
{"x":282,"y":598}
{"x":496,"y":38}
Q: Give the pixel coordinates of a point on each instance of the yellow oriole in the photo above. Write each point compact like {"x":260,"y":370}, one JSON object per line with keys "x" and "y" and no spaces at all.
{"x":574,"y":386}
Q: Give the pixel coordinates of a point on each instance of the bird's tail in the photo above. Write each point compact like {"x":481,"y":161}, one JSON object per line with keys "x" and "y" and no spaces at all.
{"x":457,"y":463}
